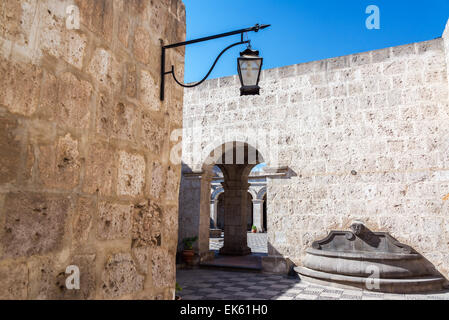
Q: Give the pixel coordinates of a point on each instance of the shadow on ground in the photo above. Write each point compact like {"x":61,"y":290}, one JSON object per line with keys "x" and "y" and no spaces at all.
{"x":203,"y":284}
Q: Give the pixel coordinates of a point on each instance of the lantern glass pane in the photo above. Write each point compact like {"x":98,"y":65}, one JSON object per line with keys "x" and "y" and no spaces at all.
{"x":249,"y":69}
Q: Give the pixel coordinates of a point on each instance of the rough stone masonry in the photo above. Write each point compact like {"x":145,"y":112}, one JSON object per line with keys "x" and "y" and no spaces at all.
{"x":359,"y":137}
{"x":85,"y":177}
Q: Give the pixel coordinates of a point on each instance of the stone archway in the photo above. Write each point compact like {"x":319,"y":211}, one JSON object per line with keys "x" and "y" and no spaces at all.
{"x":197,"y":203}
{"x":235,"y":160}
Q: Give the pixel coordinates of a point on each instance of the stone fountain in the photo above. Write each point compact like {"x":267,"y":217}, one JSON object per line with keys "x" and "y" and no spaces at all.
{"x":368,"y":260}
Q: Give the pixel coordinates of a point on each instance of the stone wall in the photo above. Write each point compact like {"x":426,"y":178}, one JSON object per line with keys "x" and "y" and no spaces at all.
{"x":85,"y":177}
{"x":364,"y":137}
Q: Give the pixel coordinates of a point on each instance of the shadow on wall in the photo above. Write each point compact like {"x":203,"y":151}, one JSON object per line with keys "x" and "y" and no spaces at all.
{"x":276,"y":262}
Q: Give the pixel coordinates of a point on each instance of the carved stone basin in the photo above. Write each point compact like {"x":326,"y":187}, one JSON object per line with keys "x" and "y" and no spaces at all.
{"x":369,"y":260}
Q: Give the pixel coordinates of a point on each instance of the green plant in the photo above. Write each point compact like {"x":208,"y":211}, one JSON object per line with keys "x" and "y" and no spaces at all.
{"x":254,"y":228}
{"x":178,"y":288}
{"x":188,"y":242}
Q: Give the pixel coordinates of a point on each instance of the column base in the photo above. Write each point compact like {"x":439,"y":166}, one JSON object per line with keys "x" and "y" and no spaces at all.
{"x":235,"y":251}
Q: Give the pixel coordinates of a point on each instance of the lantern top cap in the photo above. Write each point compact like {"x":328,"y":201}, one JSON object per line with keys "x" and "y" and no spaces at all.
{"x":249,"y":52}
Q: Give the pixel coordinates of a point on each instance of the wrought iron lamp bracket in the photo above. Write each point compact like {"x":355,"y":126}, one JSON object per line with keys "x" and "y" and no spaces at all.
{"x":172,"y":72}
{"x":256,"y":28}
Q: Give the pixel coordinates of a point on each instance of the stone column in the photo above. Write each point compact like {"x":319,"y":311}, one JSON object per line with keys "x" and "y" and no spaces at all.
{"x":194,"y":216}
{"x":258,"y":214}
{"x":214,"y":212}
{"x":235,"y":236}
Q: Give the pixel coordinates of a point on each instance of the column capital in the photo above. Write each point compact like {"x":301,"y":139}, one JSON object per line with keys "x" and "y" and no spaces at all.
{"x":258,"y":201}
{"x":235,"y":185}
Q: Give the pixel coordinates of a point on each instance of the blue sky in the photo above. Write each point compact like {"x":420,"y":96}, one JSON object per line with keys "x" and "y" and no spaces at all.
{"x":304,"y":30}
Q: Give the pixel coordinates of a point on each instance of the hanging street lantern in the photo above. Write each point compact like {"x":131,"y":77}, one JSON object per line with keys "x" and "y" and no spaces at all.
{"x":249,"y":66}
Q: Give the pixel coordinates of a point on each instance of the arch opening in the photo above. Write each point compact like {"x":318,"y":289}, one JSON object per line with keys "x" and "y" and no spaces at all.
{"x":230,"y":164}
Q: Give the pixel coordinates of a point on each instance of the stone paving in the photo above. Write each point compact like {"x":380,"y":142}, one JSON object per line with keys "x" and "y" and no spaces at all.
{"x":201,"y":284}
{"x":256,"y":241}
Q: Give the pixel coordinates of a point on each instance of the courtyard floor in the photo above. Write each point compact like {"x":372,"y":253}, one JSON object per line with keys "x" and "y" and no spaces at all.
{"x":203,"y":284}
